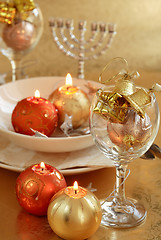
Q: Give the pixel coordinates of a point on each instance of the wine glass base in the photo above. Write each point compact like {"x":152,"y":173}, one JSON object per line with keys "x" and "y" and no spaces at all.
{"x":126,"y":215}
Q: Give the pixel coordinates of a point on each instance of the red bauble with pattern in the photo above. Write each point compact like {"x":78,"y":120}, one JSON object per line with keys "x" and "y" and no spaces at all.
{"x":35,"y":187}
{"x":36,"y":113}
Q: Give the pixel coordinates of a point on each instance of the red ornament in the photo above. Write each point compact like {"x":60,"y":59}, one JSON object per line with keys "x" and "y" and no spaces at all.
{"x":36,"y":113}
{"x":36,"y":185}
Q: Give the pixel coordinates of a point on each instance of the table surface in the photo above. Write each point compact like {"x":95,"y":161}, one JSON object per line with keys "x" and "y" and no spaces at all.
{"x":143,"y":184}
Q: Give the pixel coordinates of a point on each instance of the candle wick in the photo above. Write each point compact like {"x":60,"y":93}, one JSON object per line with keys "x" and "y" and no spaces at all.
{"x":75,"y":191}
{"x":42,"y":169}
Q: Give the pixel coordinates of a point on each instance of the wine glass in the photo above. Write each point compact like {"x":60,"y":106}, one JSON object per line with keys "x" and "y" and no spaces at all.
{"x":123,"y":135}
{"x":20,"y":37}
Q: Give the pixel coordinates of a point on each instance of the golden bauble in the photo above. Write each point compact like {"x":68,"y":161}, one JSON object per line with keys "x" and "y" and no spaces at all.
{"x":134,"y":132}
{"x":74,"y":218}
{"x":76,"y":105}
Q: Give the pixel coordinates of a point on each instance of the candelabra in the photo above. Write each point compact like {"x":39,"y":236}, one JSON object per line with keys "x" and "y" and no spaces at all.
{"x":78,"y":47}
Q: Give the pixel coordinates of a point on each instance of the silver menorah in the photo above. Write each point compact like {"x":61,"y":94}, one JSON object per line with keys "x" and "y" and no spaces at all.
{"x":79,"y":48}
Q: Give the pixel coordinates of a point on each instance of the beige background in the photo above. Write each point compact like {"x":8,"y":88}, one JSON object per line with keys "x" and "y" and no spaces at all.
{"x":138,"y":36}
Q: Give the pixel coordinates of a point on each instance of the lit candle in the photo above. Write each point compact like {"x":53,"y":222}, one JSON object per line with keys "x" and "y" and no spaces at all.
{"x":36,"y":185}
{"x":74,"y":213}
{"x":72,"y":101}
{"x":34,"y":112}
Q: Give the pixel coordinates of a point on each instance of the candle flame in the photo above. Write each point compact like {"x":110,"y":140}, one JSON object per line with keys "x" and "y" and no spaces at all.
{"x":69,"y":79}
{"x":37,"y":94}
{"x":75,"y":185}
{"x":42,"y":165}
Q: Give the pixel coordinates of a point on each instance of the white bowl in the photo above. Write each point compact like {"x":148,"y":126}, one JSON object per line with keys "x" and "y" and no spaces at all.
{"x":13,"y":92}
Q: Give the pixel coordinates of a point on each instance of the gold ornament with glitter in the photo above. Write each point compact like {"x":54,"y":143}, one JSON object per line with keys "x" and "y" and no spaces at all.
{"x":125,"y":94}
{"x":124,"y":108}
{"x":9,"y":11}
{"x":108,"y":103}
{"x":138,"y":99}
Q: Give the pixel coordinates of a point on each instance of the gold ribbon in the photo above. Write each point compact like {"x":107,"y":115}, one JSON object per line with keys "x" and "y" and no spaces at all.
{"x":124,"y":86}
{"x":24,"y":5}
{"x":123,"y":74}
{"x":8,"y":10}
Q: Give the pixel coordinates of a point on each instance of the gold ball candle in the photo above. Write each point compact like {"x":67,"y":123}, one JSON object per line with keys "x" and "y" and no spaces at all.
{"x":74,"y":213}
{"x":72,"y":101}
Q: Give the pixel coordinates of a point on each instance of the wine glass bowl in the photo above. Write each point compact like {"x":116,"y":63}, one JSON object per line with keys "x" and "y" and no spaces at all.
{"x":123,"y":134}
{"x":20,"y":37}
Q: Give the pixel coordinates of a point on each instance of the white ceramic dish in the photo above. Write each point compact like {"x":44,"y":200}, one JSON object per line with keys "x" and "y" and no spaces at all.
{"x":13,"y":92}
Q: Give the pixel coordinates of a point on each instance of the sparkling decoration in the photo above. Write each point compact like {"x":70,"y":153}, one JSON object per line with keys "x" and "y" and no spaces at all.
{"x":24,"y":5}
{"x":74,"y":213}
{"x":138,"y":99}
{"x":36,"y":113}
{"x":36,"y":185}
{"x":107,"y":105}
{"x":71,"y":101}
{"x":9,"y":11}
{"x":128,"y":125}
{"x":19,"y":35}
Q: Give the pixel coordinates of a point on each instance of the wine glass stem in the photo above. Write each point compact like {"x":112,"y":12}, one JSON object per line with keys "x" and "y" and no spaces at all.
{"x":120,"y":182}
{"x":16,"y":66}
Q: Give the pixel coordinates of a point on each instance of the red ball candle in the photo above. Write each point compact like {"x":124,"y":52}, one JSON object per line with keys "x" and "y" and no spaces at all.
{"x":36,"y":185}
{"x":34,"y":112}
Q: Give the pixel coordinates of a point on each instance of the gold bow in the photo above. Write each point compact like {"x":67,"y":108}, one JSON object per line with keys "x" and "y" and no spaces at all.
{"x":8,"y":10}
{"x":123,"y":74}
{"x":124,"y":95}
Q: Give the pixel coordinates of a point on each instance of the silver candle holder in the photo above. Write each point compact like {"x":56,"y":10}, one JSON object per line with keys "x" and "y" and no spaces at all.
{"x":79,"y":48}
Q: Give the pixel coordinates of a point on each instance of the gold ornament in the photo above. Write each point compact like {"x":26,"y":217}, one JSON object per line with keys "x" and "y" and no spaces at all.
{"x":24,"y":5}
{"x":124,"y":87}
{"x":74,"y":214}
{"x":111,"y":105}
{"x":8,"y":11}
{"x":138,"y":99}
{"x":125,"y":96}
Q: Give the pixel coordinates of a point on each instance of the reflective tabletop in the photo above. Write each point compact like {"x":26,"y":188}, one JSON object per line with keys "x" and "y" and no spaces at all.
{"x":143,"y":184}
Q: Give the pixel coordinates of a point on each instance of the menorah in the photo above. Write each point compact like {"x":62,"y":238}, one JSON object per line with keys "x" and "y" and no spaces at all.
{"x":79,"y":48}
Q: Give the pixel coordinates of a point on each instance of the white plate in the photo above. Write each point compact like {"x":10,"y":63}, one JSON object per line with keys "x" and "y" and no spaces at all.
{"x":65,"y":172}
{"x":13,"y":92}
